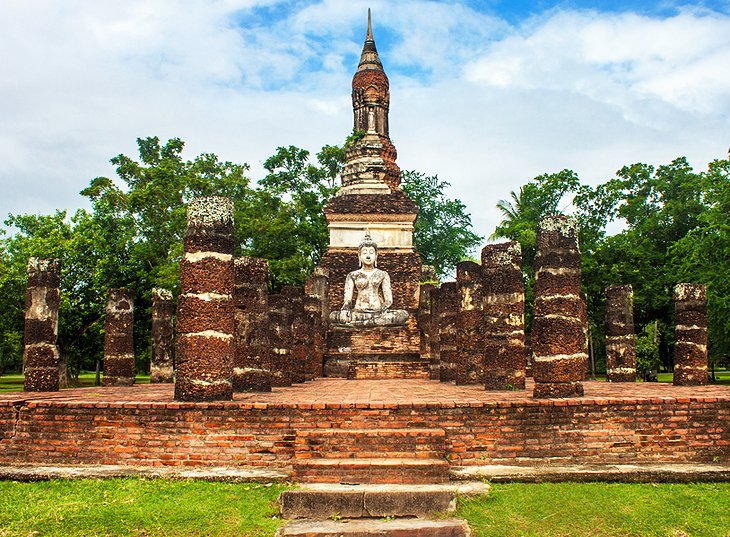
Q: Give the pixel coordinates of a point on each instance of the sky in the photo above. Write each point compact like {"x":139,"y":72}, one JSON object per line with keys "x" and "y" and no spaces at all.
{"x":486,"y":94}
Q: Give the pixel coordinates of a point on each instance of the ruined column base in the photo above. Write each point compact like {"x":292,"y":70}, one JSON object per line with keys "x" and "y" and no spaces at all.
{"x":504,"y":381}
{"x":43,"y":375}
{"x":621,"y":376}
{"x":199,"y":390}
{"x":161,"y":375}
{"x":690,"y":376}
{"x":251,"y":380}
{"x":447,"y":373}
{"x":557,"y":389}
{"x":41,"y":379}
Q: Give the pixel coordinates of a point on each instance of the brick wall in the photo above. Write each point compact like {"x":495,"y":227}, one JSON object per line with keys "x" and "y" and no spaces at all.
{"x":599,"y":431}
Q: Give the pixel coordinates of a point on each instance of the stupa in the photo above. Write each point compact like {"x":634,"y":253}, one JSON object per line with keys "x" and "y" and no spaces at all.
{"x":371,"y":204}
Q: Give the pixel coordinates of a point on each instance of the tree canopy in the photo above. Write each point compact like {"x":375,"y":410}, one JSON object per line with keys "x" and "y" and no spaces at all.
{"x":674,"y":227}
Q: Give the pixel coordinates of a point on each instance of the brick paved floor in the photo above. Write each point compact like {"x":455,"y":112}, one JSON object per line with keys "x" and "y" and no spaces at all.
{"x":376,"y":393}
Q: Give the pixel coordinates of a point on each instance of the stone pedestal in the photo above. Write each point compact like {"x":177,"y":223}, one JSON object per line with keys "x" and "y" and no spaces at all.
{"x":448,"y":308}
{"x":690,"y":350}
{"x":620,"y":346}
{"x":560,"y":325}
{"x":42,"y":296}
{"x":161,"y":368}
{"x":469,"y":366}
{"x":252,"y":361}
{"x":204,"y":342}
{"x":503,"y":330}
{"x":119,"y":368}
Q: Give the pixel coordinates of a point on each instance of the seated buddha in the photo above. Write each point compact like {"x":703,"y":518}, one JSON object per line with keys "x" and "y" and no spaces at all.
{"x":374,"y":294}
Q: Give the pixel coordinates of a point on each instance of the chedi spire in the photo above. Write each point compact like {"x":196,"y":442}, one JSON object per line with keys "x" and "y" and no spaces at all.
{"x":370,"y":162}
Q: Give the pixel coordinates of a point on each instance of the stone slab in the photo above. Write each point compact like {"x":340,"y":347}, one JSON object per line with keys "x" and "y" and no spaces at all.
{"x":622,"y":473}
{"x":322,"y":501}
{"x":26,"y":473}
{"x":376,"y":527}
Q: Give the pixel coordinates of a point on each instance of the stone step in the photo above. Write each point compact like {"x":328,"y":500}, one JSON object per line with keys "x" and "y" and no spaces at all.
{"x":416,"y":443}
{"x":376,"y":527}
{"x":395,"y":470}
{"x":323,"y":501}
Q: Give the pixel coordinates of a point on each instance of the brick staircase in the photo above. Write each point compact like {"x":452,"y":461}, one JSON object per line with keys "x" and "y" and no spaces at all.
{"x":379,"y":482}
{"x":358,"y":456}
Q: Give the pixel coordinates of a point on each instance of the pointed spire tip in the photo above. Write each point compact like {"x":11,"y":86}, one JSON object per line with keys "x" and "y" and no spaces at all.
{"x":369,"y":36}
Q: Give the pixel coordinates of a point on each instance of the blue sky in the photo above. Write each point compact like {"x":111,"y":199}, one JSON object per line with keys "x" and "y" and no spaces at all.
{"x":485,"y":94}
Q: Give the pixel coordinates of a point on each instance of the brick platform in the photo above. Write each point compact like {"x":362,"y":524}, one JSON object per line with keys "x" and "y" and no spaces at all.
{"x":143,"y":426}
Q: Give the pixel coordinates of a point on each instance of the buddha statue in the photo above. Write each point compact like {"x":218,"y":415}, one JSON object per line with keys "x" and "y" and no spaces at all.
{"x":374,"y":294}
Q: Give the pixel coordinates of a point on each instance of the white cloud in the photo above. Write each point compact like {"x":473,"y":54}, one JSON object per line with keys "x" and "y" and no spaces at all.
{"x":497,"y":104}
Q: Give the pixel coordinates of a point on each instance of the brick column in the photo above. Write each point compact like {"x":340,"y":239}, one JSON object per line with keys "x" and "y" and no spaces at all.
{"x":690,"y":350}
{"x":448,"y":308}
{"x":423,"y":319}
{"x":42,"y":297}
{"x":252,"y":360}
{"x":279,"y":331}
{"x":620,"y":346}
{"x":301,"y":335}
{"x":161,"y":370}
{"x":204,"y":343}
{"x":560,"y":325}
{"x":317,"y":307}
{"x":119,"y":369}
{"x":503,"y":329}
{"x":434,"y":341}
{"x":469,"y":367}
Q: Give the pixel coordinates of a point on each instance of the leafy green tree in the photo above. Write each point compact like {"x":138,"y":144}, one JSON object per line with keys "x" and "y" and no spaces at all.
{"x":543,"y":196}
{"x":443,"y":231}
{"x":283,"y":220}
{"x":90,"y":255}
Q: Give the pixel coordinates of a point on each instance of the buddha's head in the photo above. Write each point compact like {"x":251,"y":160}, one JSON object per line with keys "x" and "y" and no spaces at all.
{"x":368,"y":252}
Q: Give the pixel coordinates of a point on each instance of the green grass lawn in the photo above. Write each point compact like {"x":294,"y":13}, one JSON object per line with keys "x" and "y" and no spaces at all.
{"x":14,"y":382}
{"x":137,"y":507}
{"x":600,"y":509}
{"x":169,"y":508}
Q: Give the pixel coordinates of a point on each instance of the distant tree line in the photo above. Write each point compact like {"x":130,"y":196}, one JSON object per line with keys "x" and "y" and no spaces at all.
{"x":674,"y":227}
{"x":132,"y":236}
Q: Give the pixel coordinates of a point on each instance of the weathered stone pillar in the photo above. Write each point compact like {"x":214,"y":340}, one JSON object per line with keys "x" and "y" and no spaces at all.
{"x":301,"y":336}
{"x":119,"y":368}
{"x":504,"y":317}
{"x":690,"y":350}
{"x":42,"y":297}
{"x":252,"y":359}
{"x":434,"y":340}
{"x":620,"y":346}
{"x":560,"y":325}
{"x":204,"y":343}
{"x":469,"y":367}
{"x":448,"y":308}
{"x":423,"y":319}
{"x":317,"y":306}
{"x":279,"y":331}
{"x":161,"y":368}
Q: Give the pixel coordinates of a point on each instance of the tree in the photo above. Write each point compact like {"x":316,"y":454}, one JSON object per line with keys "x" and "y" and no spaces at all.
{"x":543,"y":196}
{"x":283,"y":220}
{"x":443,"y":232}
{"x":675,"y":228}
